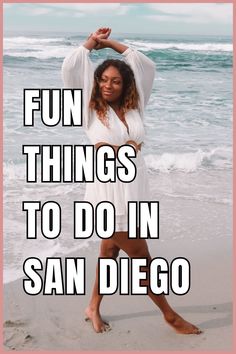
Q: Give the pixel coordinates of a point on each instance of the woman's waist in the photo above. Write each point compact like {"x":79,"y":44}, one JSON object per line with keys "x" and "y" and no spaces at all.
{"x":133,"y":143}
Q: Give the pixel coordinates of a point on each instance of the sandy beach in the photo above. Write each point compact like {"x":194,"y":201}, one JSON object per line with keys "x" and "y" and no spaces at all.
{"x":57,"y":322}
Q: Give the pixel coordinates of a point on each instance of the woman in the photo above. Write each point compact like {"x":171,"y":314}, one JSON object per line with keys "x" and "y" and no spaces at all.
{"x":114,"y":98}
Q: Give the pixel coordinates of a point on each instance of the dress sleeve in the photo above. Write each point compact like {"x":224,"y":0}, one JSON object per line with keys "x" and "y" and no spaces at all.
{"x":144,"y":73}
{"x":78,"y":72}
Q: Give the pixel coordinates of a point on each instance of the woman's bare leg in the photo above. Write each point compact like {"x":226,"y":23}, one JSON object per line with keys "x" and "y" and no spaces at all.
{"x":110,"y":250}
{"x":137,"y":248}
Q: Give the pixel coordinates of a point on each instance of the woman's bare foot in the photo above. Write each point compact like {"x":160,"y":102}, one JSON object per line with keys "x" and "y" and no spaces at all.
{"x":180,"y":325}
{"x":94,"y":316}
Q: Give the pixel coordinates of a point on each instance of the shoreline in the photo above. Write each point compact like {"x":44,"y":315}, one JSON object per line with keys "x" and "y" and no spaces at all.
{"x":188,"y":211}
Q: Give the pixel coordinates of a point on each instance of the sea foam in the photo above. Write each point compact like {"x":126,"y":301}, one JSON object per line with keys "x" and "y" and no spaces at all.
{"x":210,"y":47}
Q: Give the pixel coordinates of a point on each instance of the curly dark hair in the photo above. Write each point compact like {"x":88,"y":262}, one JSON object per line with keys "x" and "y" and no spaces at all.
{"x":129,"y":97}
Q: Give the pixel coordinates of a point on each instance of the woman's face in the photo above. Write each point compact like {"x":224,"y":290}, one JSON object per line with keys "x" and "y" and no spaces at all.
{"x":111,"y":84}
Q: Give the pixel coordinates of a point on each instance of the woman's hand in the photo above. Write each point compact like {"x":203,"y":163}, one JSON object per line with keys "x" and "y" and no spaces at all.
{"x":134,"y":144}
{"x":102,"y":43}
{"x":100,"y":39}
{"x":102,"y":143}
{"x":103,"y":33}
{"x":92,"y":41}
{"x":99,"y":36}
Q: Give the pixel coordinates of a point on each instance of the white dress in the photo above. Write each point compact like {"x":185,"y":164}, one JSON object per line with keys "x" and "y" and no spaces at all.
{"x":78,"y":72}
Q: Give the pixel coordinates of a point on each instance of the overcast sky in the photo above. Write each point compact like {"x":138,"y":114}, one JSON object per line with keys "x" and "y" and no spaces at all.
{"x":122,"y":18}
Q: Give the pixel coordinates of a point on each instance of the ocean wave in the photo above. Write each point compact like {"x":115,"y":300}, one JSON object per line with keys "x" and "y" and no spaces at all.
{"x":43,"y":53}
{"x":13,"y":42}
{"x":24,"y":42}
{"x":39,"y":48}
{"x":218,"y":158}
{"x":57,"y":48}
{"x":209,"y":47}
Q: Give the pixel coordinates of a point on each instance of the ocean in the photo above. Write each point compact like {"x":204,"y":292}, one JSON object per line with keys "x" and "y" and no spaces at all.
{"x":188,"y":147}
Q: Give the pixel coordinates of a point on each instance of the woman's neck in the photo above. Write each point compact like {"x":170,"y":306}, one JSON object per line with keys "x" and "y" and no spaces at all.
{"x":115,"y":106}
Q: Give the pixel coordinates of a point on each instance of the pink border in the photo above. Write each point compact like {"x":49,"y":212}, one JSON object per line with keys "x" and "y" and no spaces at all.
{"x":1,"y":161}
{"x":1,"y":164}
{"x":108,"y":1}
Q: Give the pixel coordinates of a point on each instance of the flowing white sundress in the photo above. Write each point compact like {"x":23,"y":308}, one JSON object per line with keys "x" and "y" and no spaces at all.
{"x":78,"y":72}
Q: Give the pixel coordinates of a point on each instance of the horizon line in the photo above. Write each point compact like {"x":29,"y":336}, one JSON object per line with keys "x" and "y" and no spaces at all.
{"x":117,"y":33}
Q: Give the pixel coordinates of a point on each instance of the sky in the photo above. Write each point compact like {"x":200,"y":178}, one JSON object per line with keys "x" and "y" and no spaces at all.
{"x":199,"y":19}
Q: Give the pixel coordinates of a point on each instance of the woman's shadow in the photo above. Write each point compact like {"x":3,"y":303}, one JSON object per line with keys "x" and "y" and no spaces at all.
{"x":225,"y":308}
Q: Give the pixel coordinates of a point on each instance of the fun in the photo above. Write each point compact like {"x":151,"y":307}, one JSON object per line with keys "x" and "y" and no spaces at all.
{"x":54,"y":105}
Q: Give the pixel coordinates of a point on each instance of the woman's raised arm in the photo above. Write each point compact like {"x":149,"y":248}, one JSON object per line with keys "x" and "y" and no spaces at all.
{"x":77,"y":73}
{"x":144,"y":72}
{"x":78,"y":70}
{"x":77,"y":67}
